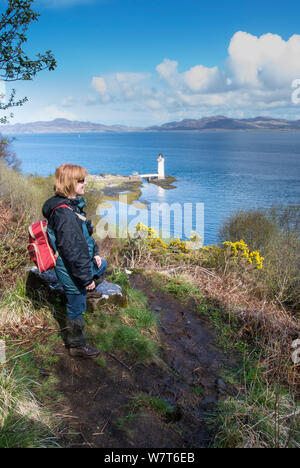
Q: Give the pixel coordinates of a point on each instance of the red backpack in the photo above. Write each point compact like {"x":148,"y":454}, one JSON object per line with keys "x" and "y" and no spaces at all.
{"x":39,"y":248}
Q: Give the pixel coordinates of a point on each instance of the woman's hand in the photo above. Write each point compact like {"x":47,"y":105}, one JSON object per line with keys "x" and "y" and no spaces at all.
{"x":98,"y":260}
{"x":91,"y":286}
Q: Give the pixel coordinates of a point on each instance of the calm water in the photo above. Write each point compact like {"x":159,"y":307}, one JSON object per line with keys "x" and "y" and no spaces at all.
{"x":225,"y":171}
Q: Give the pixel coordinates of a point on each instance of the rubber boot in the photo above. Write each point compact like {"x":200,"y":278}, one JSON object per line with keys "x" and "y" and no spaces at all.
{"x":75,"y":336}
{"x":77,"y":340}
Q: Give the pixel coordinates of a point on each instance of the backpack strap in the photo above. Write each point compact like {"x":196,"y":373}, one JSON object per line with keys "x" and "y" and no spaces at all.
{"x":83,"y":218}
{"x":60,"y":206}
{"x":66,"y":206}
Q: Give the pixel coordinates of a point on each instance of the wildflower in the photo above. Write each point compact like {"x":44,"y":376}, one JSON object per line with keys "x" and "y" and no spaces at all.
{"x":240,"y":249}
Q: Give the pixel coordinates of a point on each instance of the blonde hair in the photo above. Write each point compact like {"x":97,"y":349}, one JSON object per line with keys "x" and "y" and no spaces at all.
{"x":66,"y":178}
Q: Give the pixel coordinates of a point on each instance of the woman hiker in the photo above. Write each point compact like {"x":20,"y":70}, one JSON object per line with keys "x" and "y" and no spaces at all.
{"x":79,"y":266}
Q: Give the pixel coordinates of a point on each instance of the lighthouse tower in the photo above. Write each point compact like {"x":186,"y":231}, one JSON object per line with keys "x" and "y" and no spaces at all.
{"x":161,"y":167}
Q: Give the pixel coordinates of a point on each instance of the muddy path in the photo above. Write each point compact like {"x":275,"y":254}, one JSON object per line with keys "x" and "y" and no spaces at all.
{"x":99,"y":410}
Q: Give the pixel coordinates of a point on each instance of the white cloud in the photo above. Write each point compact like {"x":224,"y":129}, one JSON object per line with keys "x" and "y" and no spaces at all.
{"x":167,"y":71}
{"x":68,"y":101}
{"x":99,"y":84}
{"x":121,"y":87}
{"x":130,"y":78}
{"x":257,"y":75}
{"x":63,"y":3}
{"x":266,"y":61}
{"x":53,"y":112}
{"x":203,"y":79}
{"x":154,"y":104}
{"x":196,"y":79}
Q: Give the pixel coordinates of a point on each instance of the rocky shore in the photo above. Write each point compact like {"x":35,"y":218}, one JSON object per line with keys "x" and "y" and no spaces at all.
{"x":112,"y":185}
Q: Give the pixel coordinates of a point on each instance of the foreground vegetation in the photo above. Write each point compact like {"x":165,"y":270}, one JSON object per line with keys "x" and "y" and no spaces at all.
{"x":247,"y":287}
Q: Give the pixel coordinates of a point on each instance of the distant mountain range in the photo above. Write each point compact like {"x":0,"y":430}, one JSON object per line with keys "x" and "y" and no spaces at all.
{"x":61,"y":126}
{"x":217,"y":123}
{"x":221,"y":123}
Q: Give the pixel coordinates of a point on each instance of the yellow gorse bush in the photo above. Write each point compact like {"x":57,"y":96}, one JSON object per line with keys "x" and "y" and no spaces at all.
{"x":178,"y":245}
{"x":155,"y":242}
{"x":238,"y":249}
{"x":241,"y":249}
{"x":152,"y":237}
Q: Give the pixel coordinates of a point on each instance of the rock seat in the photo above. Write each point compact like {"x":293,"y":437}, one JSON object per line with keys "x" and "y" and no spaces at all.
{"x":46,"y":286}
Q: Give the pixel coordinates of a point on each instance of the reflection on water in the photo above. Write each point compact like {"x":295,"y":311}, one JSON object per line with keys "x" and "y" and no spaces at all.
{"x":161,"y":193}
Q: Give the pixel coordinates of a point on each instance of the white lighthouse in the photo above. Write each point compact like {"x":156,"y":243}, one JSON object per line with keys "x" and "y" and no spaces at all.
{"x":161,"y":167}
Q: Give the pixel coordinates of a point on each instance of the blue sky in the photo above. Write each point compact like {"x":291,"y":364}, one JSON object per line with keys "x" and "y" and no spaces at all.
{"x":144,"y":62}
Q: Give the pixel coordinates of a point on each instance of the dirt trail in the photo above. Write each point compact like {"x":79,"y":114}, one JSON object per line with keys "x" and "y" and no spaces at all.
{"x":100,"y":412}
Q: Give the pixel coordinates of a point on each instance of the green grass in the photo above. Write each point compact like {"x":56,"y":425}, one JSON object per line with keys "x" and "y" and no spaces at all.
{"x":226,"y":324}
{"x":198,"y":390}
{"x":28,"y":376}
{"x":138,"y":402}
{"x":134,"y":343}
{"x":100,"y":361}
{"x":119,"y":277}
{"x":267,"y":421}
{"x":177,"y":286}
{"x":130,"y":331}
{"x":182,"y":289}
{"x":262,"y":415}
{"x":24,"y":423}
{"x":114,"y":336}
{"x":163,"y":408}
{"x":138,"y":311}
{"x":122,"y":423}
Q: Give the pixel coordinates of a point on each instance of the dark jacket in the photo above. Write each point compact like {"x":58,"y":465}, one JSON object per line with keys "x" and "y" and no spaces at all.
{"x":71,"y":236}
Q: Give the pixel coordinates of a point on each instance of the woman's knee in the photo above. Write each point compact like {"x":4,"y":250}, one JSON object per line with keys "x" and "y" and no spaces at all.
{"x":103,"y":264}
{"x":102,"y":268}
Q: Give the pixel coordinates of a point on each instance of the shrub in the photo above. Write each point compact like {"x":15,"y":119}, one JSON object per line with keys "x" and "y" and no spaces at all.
{"x":275,"y":233}
{"x":281,"y":273}
{"x":287,"y":218}
{"x":7,"y":155}
{"x":21,"y":200}
{"x":23,"y":421}
{"x":263,"y":416}
{"x":22,"y":195}
{"x":253,"y":226}
{"x":240,"y":250}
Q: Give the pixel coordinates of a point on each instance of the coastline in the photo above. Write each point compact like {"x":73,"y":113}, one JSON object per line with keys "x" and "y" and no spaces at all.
{"x":111,"y":185}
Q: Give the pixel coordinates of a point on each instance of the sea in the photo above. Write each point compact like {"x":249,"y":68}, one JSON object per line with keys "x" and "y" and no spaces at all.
{"x":217,"y":173}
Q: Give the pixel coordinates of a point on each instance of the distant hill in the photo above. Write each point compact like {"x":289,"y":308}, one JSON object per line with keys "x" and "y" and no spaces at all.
{"x":217,"y":123}
{"x":221,"y":123}
{"x":62,"y":126}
